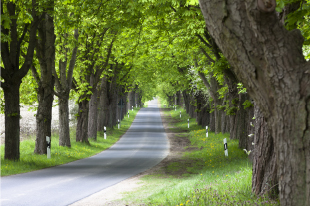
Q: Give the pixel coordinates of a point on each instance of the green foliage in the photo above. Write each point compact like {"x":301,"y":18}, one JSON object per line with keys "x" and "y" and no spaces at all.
{"x":247,"y":104}
{"x":241,"y":88}
{"x":297,"y":19}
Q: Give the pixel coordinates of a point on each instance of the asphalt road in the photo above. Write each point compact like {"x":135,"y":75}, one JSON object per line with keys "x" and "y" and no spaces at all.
{"x":143,"y":146}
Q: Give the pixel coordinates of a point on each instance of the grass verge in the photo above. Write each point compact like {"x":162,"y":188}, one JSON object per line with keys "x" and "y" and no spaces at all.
{"x":203,"y":176}
{"x":61,"y":155}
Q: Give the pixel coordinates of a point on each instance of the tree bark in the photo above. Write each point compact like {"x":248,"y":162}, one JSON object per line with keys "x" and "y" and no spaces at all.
{"x":82,"y":122}
{"x":264,"y":176}
{"x":102,"y":108}
{"x":64,"y":129}
{"x":93,"y":111}
{"x":212,"y":122}
{"x":46,"y":54}
{"x":132,"y":102}
{"x":269,"y":62}
{"x":12,"y":116}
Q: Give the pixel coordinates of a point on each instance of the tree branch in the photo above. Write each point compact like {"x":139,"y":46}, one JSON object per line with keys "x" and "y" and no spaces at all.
{"x":203,"y":41}
{"x":207,"y":55}
{"x":32,"y":42}
{"x":99,"y":72}
{"x":72,"y":60}
{"x":173,"y":9}
{"x":35,"y":74}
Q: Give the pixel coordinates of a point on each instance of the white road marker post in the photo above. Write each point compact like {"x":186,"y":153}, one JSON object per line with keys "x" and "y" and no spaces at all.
{"x":187,"y":123}
{"x":180,"y":114}
{"x":131,"y":108}
{"x":136,"y":106}
{"x":105,"y":132}
{"x":118,"y":123}
{"x":206,"y":131}
{"x":128,"y":114}
{"x":225,"y":147}
{"x":48,"y":141}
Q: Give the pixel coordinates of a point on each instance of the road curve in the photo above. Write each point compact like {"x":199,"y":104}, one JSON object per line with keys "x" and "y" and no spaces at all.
{"x":143,"y":146}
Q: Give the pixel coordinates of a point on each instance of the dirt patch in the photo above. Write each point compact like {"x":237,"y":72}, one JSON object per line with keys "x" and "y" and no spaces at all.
{"x":179,"y":143}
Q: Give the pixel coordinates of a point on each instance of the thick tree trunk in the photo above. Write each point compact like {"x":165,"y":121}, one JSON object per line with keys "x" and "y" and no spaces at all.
{"x":44,"y":117}
{"x":186,"y":100}
{"x":232,"y":130}
{"x":12,"y":116}
{"x":82,"y":121}
{"x":242,"y":123}
{"x":132,"y":99}
{"x":224,"y":122}
{"x":264,"y":176}
{"x":269,"y":62}
{"x":205,"y":113}
{"x":192,"y":106}
{"x":178,"y":98}
{"x":93,"y":111}
{"x":212,"y":122}
{"x":64,"y":129}
{"x":102,"y":105}
{"x":46,"y":56}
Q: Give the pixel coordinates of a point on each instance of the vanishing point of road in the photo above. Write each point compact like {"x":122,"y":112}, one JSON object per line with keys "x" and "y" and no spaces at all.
{"x":143,"y":146}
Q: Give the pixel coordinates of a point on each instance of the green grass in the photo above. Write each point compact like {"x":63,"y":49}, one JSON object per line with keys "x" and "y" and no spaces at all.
{"x":203,"y":176}
{"x":61,"y":155}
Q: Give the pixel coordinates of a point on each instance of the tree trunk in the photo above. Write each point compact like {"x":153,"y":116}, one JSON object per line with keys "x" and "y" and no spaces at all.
{"x":64,"y":129}
{"x":212,"y":122}
{"x":178,"y":98}
{"x":224,"y":122}
{"x":82,"y":121}
{"x":233,"y":125}
{"x":269,"y":62}
{"x":242,"y":123}
{"x":186,"y":100}
{"x":264,"y":176}
{"x":101,"y":121}
{"x":12,"y":116}
{"x":46,"y":56}
{"x":44,"y":117}
{"x":132,"y":102}
{"x":205,"y":116}
{"x":93,"y":111}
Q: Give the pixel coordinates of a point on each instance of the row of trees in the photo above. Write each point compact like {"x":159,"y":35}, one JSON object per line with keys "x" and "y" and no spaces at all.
{"x":101,"y":52}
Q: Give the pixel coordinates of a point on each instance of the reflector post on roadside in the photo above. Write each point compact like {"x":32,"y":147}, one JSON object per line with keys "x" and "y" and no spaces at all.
{"x":206,"y":131}
{"x":105,"y":132}
{"x":48,"y":145}
{"x":225,"y":147}
{"x":118,"y":123}
{"x":131,"y":108}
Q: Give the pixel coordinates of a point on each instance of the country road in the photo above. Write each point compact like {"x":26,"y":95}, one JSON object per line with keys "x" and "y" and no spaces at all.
{"x":143,"y":146}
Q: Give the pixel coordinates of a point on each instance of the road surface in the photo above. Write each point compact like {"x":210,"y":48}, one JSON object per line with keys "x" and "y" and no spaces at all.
{"x":143,"y":146}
